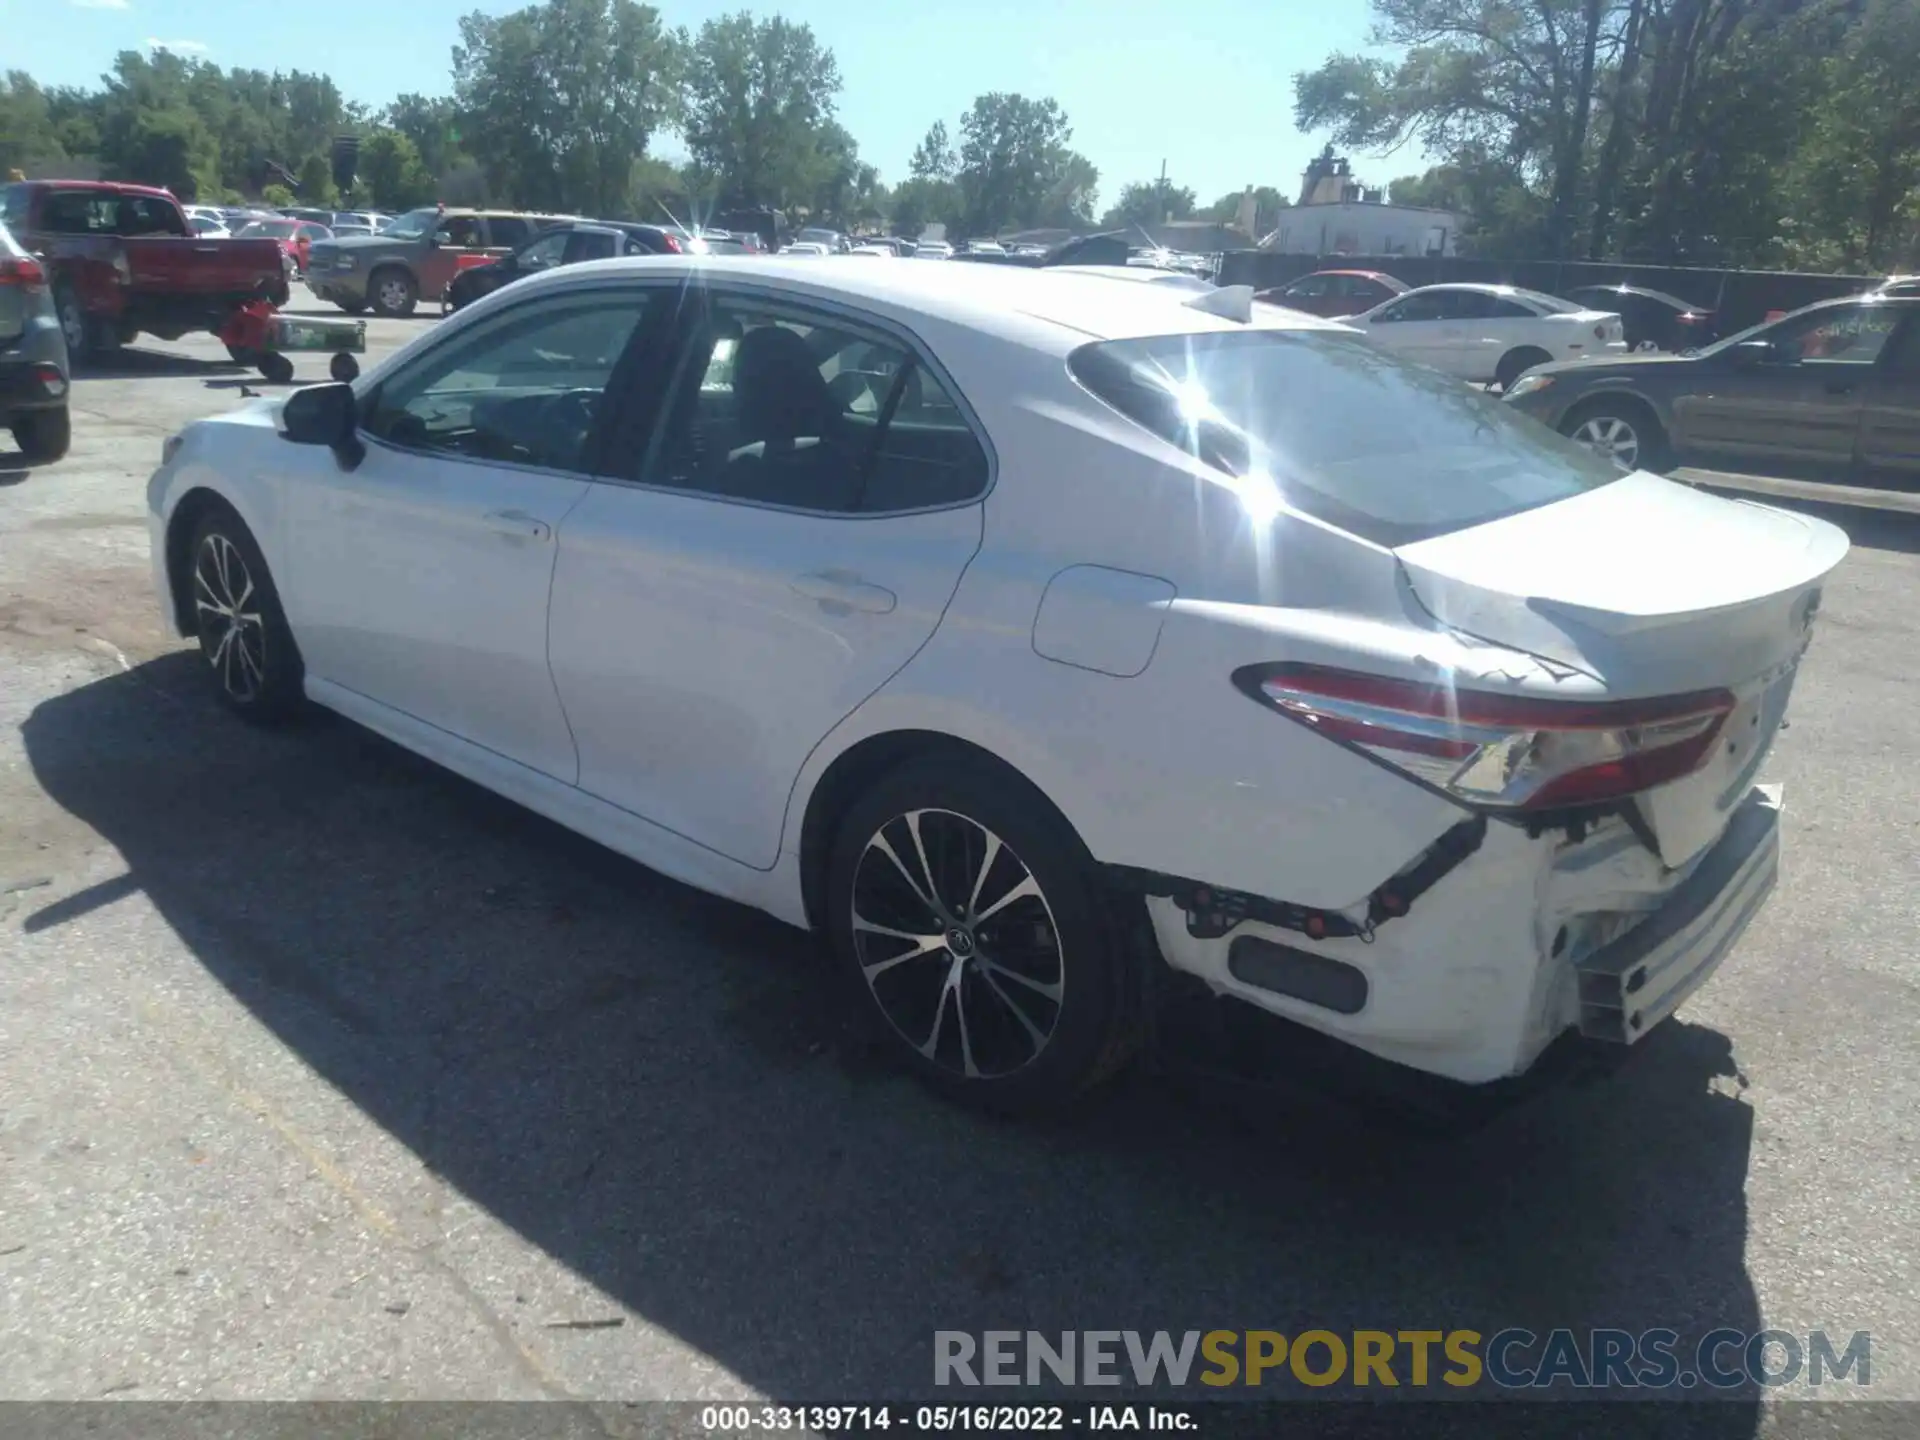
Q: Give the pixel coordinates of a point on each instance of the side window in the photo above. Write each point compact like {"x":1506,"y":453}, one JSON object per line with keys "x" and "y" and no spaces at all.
{"x":15,"y":200}
{"x":1469,"y":305}
{"x":1432,"y":305}
{"x":1851,"y":335}
{"x":1903,"y":359}
{"x":593,"y":245}
{"x":786,"y":407}
{"x":548,"y":250}
{"x":1510,"y":310}
{"x":525,"y":388}
{"x":1311,"y":288}
{"x":465,"y":232}
{"x":508,"y":230}
{"x":71,"y":212}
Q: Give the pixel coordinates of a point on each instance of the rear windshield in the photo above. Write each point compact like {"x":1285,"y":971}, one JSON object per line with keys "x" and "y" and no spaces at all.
{"x":1385,"y":449}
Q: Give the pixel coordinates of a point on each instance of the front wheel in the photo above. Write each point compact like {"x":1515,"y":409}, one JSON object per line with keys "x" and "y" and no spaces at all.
{"x":975,"y":928}
{"x":392,"y":293}
{"x":1623,"y":434}
{"x":242,"y":630}
{"x":352,"y":307}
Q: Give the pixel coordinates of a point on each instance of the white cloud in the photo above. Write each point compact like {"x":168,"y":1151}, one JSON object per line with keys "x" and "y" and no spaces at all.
{"x":99,"y":4}
{"x":178,"y":47}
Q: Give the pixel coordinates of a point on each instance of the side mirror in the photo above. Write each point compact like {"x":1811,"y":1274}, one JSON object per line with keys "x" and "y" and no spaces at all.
{"x":1751,"y":354}
{"x":324,"y":415}
{"x":443,"y":237}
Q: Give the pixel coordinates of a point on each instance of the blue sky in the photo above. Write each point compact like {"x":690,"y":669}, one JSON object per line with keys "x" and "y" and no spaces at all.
{"x":1206,"y":85}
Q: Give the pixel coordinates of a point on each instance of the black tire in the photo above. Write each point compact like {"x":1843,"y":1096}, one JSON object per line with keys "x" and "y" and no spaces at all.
{"x":1599,"y":425}
{"x":352,"y":307}
{"x":1517,"y":362}
{"x":277,"y":368}
{"x":392,"y":292}
{"x":240,"y":355}
{"x":44,"y":435}
{"x":257,"y":670}
{"x":1025,"y":1003}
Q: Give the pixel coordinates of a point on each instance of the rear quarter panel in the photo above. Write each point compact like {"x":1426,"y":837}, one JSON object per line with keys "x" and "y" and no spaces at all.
{"x":1171,"y":769}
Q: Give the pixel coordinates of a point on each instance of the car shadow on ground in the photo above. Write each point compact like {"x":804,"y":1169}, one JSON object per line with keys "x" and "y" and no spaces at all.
{"x":132,"y":364}
{"x":656,"y":1088}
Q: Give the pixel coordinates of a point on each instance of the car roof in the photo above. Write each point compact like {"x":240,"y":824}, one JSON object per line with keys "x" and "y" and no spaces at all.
{"x":1015,"y":302}
{"x":1363,"y":274}
{"x":1635,"y":290}
{"x":113,"y":187}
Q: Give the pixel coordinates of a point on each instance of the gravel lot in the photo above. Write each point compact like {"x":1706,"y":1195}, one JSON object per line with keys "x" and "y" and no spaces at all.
{"x":324,"y":1074}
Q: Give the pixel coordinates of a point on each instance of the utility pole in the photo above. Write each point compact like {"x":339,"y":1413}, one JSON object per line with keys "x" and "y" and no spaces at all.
{"x":1160,"y":195}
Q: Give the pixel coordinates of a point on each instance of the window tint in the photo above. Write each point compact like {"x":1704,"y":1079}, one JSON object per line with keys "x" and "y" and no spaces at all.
{"x":548,"y":250}
{"x":75,"y":212}
{"x":1505,"y":309}
{"x":791,"y":408}
{"x":14,"y":202}
{"x":465,"y":232}
{"x":1849,"y":335}
{"x":508,"y":230}
{"x":1429,"y":305}
{"x":1296,"y":416}
{"x":1903,"y":360}
{"x":1311,"y":288}
{"x":525,"y":387}
{"x":595,"y":245}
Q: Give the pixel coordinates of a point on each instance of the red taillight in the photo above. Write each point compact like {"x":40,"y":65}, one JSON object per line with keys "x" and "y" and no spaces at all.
{"x":672,"y":244}
{"x":25,"y":272}
{"x":1508,"y":752}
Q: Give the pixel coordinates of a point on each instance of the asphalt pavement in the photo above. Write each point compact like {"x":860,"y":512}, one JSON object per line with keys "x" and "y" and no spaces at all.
{"x":324,"y":1074}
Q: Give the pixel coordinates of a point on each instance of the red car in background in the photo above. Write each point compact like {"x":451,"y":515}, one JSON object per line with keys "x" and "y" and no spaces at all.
{"x":296,"y":237}
{"x":123,"y":261}
{"x":1333,"y":293}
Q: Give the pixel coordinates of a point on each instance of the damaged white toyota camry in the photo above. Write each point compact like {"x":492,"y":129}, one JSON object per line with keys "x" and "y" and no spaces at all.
{"x":1024,"y":633}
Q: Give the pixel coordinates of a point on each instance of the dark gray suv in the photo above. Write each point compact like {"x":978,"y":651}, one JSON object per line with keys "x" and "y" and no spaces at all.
{"x":33,"y":357}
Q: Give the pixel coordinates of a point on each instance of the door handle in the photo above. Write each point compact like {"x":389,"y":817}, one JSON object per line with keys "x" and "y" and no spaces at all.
{"x":518,"y":522}
{"x":835,"y":589}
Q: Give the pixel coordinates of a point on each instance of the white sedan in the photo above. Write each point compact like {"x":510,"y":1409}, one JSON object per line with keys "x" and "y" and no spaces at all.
{"x":1490,"y":333}
{"x":1039,"y":641}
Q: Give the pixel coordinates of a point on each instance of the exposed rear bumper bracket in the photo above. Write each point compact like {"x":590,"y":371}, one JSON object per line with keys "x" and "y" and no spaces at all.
{"x":1632,"y":984}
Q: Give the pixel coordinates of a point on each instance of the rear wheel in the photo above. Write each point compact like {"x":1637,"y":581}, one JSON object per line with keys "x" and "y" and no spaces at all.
{"x":392,"y":292}
{"x":242,"y":630}
{"x":1621,"y":432}
{"x":44,"y":435}
{"x":352,"y":307}
{"x":1516,"y":363}
{"x":277,"y":368}
{"x":977,"y":932}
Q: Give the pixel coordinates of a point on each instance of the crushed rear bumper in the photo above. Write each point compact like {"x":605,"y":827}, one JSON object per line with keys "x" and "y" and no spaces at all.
{"x":1632,"y":984}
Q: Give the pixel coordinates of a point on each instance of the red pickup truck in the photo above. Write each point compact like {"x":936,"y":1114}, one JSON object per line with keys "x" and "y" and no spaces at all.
{"x":124,"y":261}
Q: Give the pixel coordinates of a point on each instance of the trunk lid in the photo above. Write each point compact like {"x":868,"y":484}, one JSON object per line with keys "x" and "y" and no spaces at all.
{"x":174,"y":265}
{"x":1653,"y":588}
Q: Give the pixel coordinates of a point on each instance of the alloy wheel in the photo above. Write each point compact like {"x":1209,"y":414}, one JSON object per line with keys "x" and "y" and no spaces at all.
{"x":233,"y":632}
{"x":957,"y":943}
{"x":1611,"y":438}
{"x":393,"y":294}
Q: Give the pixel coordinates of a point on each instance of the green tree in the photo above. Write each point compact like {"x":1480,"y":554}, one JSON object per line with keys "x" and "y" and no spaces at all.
{"x":921,"y":201}
{"x":759,"y":97}
{"x":1013,"y":152}
{"x":1149,"y":202}
{"x":933,"y":157}
{"x":432,"y":126}
{"x":316,"y":182}
{"x":558,"y":100}
{"x":28,"y":134}
{"x":1267,"y":205}
{"x":391,"y":174}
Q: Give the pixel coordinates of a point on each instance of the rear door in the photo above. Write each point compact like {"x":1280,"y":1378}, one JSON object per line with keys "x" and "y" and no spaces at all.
{"x":1890,"y":408}
{"x":590,"y":242}
{"x":1411,"y":325}
{"x":1801,"y":409}
{"x":774,"y":549}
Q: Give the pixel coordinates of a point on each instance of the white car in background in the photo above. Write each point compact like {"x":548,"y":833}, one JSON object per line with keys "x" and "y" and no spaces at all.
{"x":933,"y":250}
{"x":1489,"y":333}
{"x":884,"y":252}
{"x":805,"y":247}
{"x":1041,"y":642}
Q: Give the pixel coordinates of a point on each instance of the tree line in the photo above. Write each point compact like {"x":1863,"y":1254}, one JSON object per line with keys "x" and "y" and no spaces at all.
{"x":1782,"y":133}
{"x":560,"y":107}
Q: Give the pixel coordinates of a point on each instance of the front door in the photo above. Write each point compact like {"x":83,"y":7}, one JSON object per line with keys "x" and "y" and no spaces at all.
{"x":420,"y":578}
{"x":785,"y":539}
{"x":1890,"y":409}
{"x":1801,"y":407}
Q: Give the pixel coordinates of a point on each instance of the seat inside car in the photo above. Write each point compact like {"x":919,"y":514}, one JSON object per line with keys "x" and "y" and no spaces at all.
{"x":783,"y":420}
